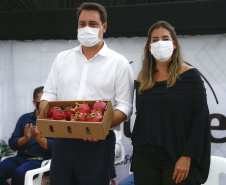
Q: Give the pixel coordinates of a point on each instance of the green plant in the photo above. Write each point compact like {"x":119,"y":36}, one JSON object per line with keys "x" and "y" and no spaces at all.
{"x":5,"y":149}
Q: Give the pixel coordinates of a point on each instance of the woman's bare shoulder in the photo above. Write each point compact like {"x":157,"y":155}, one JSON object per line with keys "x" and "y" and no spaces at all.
{"x":184,"y":68}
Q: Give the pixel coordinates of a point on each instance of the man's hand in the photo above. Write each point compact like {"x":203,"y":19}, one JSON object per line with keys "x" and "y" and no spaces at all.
{"x":34,"y":131}
{"x":36,"y":135}
{"x":91,"y":139}
{"x":182,"y":167}
{"x":27,"y":133}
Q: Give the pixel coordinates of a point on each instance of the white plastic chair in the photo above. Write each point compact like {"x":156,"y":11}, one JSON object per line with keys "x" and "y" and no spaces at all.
{"x":119,"y":148}
{"x":119,"y":152}
{"x":45,"y":166}
{"x":31,"y":173}
{"x":217,"y":166}
{"x":5,"y":157}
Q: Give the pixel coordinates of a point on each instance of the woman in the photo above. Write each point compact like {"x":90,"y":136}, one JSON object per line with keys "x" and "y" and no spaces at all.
{"x":171,"y":135}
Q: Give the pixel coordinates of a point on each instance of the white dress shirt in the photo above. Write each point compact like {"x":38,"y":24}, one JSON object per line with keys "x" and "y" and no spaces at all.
{"x":108,"y":75}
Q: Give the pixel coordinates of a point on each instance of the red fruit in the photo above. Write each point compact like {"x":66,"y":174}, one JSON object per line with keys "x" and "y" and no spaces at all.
{"x":78,"y":117}
{"x":57,"y":113}
{"x":69,"y":112}
{"x":61,"y":115}
{"x":95,"y":117}
{"x":82,"y":108}
{"x":99,"y":105}
{"x":53,"y":110}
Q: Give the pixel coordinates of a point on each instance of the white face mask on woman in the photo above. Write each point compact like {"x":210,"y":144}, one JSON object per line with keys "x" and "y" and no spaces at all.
{"x":162,"y":50}
{"x":88,"y":36}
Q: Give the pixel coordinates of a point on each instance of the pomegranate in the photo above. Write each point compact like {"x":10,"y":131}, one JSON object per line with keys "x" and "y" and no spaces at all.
{"x":82,"y":108}
{"x":95,"y":116}
{"x":78,"y":117}
{"x":57,"y":113}
{"x":99,"y":105}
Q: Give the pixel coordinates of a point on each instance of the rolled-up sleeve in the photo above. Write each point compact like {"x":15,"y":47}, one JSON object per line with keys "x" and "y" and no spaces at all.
{"x":124,"y":88}
{"x":50,"y":88}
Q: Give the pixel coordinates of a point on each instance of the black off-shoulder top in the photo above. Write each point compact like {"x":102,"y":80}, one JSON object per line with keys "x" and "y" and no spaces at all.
{"x":177,"y":119}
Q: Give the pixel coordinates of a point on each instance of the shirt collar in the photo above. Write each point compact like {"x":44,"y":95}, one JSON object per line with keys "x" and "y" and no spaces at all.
{"x":102,"y":52}
{"x":33,"y":115}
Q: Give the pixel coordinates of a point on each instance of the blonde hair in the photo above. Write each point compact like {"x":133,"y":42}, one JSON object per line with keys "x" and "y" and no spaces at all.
{"x":146,"y":75}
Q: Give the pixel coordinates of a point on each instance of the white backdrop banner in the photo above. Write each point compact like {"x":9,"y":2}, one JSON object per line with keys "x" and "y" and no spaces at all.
{"x":25,"y":65}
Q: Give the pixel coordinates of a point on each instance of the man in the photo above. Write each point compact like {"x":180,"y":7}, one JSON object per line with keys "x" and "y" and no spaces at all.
{"x":90,"y":71}
{"x":32,"y":149}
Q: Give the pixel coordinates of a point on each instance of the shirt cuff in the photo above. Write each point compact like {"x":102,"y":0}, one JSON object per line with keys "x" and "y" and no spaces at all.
{"x":126,"y":109}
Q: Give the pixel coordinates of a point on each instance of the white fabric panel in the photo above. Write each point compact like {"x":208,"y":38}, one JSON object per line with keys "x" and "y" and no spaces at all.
{"x":25,"y":65}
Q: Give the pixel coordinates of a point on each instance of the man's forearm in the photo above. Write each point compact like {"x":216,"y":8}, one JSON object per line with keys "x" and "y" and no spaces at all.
{"x":119,"y":117}
{"x":22,"y":141}
{"x":42,"y":141}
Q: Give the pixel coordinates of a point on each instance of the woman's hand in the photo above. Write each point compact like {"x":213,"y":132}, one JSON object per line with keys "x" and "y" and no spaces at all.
{"x":182,"y":167}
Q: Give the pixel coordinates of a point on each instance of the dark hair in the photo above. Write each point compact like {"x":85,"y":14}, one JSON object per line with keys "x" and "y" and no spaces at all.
{"x":93,"y":6}
{"x":37,"y":91}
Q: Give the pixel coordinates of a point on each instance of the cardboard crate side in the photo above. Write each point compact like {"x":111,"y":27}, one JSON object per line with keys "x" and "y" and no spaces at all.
{"x":45,"y":112}
{"x":107,"y":119}
{"x":44,"y":128}
{"x":91,"y":129}
{"x":66,"y":129}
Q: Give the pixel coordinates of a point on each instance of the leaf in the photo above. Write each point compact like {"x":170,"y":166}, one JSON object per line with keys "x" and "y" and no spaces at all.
{"x":5,"y":149}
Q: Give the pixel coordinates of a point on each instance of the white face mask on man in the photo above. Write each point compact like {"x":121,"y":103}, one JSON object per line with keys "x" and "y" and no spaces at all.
{"x":88,"y":36}
{"x":162,"y":50}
